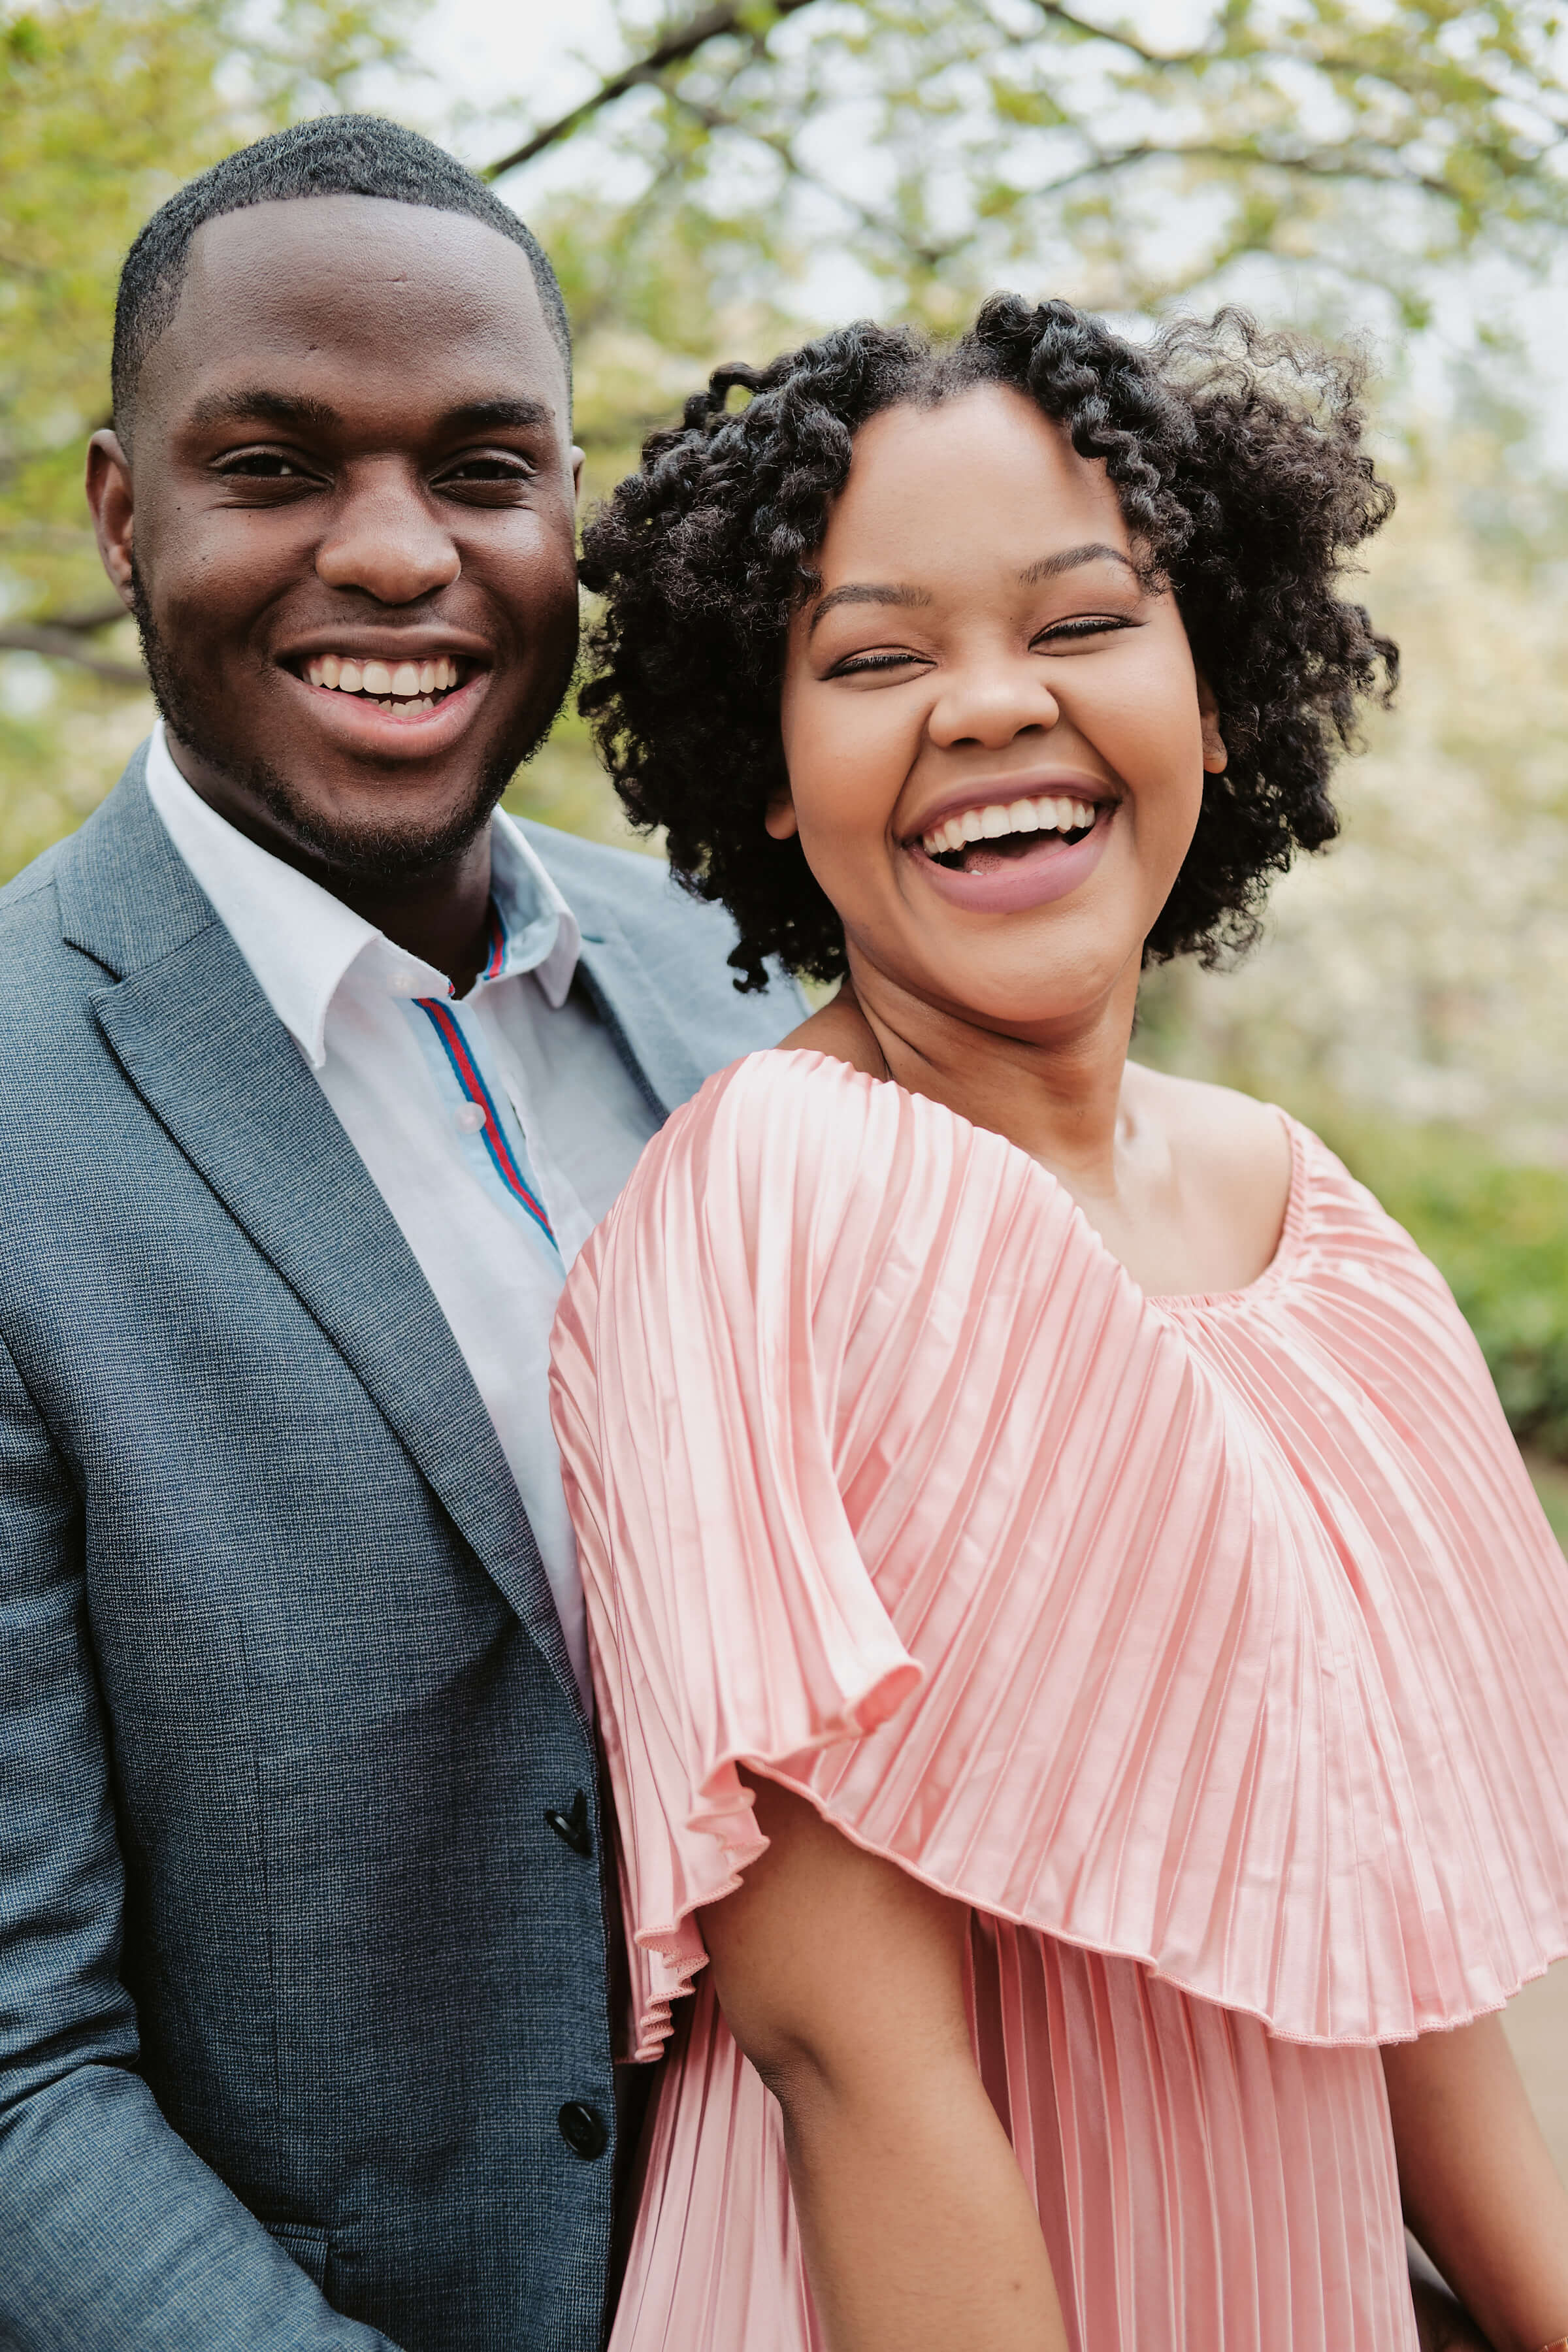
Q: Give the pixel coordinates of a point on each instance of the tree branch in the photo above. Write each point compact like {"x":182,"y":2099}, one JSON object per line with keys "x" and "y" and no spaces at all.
{"x":1119,"y":36}
{"x":82,"y":623}
{"x":778,"y":144}
{"x":61,"y":641}
{"x":1337,"y":65}
{"x":677,"y":46}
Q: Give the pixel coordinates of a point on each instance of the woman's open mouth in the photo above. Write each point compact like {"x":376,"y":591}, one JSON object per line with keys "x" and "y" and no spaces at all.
{"x":999,"y":857}
{"x":971,"y":842}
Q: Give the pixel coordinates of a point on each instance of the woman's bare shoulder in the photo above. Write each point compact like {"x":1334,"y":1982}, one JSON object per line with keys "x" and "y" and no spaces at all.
{"x":1234,"y":1147}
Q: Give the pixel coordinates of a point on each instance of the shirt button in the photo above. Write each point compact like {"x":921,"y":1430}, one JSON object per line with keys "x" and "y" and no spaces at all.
{"x":470,"y":1118}
{"x":584,"y":2129}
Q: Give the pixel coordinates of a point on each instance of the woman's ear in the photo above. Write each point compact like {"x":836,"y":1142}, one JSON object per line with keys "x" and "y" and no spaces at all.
{"x":780,"y":819}
{"x":1215,"y":756}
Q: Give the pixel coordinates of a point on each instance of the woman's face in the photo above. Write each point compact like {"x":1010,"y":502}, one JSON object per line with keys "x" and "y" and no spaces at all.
{"x":995,"y":735}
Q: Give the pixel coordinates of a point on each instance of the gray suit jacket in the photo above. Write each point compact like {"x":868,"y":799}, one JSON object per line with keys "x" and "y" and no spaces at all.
{"x":299,"y":1961}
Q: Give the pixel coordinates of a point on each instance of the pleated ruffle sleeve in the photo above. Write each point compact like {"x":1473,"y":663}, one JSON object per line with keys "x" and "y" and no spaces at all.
{"x":1223,"y":1635}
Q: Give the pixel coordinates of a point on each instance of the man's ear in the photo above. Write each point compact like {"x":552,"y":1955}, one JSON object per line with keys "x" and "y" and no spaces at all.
{"x":1215,"y":756}
{"x":780,"y":819}
{"x":576,"y":474}
{"x":109,"y":497}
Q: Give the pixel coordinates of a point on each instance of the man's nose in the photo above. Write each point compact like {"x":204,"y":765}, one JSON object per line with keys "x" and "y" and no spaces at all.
{"x":385,"y":542}
{"x":992,"y":701}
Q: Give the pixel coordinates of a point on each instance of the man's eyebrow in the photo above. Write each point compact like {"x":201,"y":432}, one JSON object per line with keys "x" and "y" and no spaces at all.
{"x":484,"y":415}
{"x":866,"y":592}
{"x":262,"y":404}
{"x":1068,"y":559}
{"x":261,"y":401}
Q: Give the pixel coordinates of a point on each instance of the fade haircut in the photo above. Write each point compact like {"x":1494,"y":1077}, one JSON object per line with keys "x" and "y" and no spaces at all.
{"x":337,"y":155}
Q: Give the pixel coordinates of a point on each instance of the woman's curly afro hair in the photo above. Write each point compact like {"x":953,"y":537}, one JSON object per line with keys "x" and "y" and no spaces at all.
{"x":1238,"y":463}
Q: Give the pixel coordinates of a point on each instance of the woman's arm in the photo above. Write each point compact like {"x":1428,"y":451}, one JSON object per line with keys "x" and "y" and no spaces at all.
{"x":842,"y":1979}
{"x":1480,"y":2190}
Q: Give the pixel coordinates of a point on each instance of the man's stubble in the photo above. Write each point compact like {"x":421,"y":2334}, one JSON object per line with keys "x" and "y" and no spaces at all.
{"x":377,"y":853}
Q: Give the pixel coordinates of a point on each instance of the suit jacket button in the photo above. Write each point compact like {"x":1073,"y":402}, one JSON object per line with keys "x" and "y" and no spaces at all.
{"x":572,"y":1827}
{"x":584,"y":2129}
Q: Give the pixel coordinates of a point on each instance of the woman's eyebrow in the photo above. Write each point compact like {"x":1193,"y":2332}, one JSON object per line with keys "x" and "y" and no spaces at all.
{"x":866,"y":592}
{"x":1068,"y":559}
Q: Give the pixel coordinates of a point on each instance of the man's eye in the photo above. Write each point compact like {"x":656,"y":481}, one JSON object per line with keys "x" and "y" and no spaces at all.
{"x":488,"y":468}
{"x":262,"y":466}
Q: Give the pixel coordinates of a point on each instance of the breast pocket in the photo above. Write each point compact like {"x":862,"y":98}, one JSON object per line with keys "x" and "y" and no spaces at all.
{"x":310,"y":2247}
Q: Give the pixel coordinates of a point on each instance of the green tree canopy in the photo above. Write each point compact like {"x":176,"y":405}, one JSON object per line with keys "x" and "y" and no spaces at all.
{"x":105,"y":107}
{"x":950,"y":143}
{"x":927,"y":148}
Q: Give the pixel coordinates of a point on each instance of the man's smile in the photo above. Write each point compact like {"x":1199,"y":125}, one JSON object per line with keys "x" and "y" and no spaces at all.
{"x":418,"y":702}
{"x":389,"y":684}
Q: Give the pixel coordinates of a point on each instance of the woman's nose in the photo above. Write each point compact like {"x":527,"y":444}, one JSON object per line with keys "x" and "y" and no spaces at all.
{"x":991,"y":703}
{"x":385,"y":542}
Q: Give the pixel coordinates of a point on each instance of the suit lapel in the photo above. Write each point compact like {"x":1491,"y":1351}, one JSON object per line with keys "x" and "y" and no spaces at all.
{"x":196,"y":1038}
{"x":632,"y":1003}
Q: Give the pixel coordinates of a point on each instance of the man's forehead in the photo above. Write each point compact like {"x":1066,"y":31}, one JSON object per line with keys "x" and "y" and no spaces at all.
{"x":365,"y":230}
{"x":312,"y":263}
{"x":284,"y":298}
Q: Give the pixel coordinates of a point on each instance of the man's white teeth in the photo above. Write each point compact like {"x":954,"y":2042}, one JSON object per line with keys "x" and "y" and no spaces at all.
{"x":378,"y":679}
{"x":1050,"y":815}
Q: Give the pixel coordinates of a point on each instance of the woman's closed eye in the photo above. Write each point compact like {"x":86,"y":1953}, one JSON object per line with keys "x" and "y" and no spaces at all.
{"x":1082,"y":629}
{"x":876,"y":660}
{"x":1067,"y":635}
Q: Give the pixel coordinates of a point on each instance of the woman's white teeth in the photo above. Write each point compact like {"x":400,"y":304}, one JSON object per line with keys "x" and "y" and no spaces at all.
{"x":1051,"y":815}
{"x":402,"y":679}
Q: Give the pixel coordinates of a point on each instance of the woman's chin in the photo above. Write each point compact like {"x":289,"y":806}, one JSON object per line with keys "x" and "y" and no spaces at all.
{"x":1043,"y":970}
{"x":1038,"y":992}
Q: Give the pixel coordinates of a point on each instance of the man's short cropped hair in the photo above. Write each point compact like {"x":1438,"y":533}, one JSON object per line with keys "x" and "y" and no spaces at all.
{"x":337,"y":155}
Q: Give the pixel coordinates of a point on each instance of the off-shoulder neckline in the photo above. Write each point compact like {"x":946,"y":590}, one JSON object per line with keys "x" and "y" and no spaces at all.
{"x":1286,"y":1250}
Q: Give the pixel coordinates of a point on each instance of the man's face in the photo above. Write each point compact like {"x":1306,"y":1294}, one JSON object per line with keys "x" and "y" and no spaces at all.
{"x":352,"y":469}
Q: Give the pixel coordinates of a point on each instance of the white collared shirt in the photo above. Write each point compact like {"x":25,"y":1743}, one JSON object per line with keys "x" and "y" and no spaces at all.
{"x":498,"y":1130}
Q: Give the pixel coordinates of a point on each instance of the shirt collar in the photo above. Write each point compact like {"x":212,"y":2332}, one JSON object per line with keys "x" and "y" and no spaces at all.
{"x":541,"y":933}
{"x":300,"y":942}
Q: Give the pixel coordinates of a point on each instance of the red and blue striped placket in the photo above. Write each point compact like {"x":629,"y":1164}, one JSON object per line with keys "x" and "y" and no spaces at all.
{"x":466,"y":1072}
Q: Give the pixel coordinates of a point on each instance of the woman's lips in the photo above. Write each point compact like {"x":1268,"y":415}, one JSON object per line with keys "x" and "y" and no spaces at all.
{"x":1049,"y":868}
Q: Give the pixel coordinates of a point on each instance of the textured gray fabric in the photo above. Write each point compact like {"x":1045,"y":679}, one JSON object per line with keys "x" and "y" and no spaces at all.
{"x":294,"y":1975}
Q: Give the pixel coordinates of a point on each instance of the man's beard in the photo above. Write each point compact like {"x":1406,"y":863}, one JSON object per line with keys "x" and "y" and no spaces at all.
{"x":377,"y":852}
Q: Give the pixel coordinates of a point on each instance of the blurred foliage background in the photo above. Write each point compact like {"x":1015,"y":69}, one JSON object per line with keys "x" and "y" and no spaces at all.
{"x":718,"y":180}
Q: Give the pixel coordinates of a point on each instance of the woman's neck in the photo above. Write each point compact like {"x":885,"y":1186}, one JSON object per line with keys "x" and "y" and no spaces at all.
{"x":1188,"y":1186}
{"x":1056,"y":1097}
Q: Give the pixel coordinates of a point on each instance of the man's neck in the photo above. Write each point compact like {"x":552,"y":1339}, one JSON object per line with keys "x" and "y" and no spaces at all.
{"x":440,"y":913}
{"x":442,"y":917}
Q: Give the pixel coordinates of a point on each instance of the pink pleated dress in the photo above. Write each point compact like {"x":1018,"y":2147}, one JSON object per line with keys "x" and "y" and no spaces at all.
{"x":1213,"y":1650}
